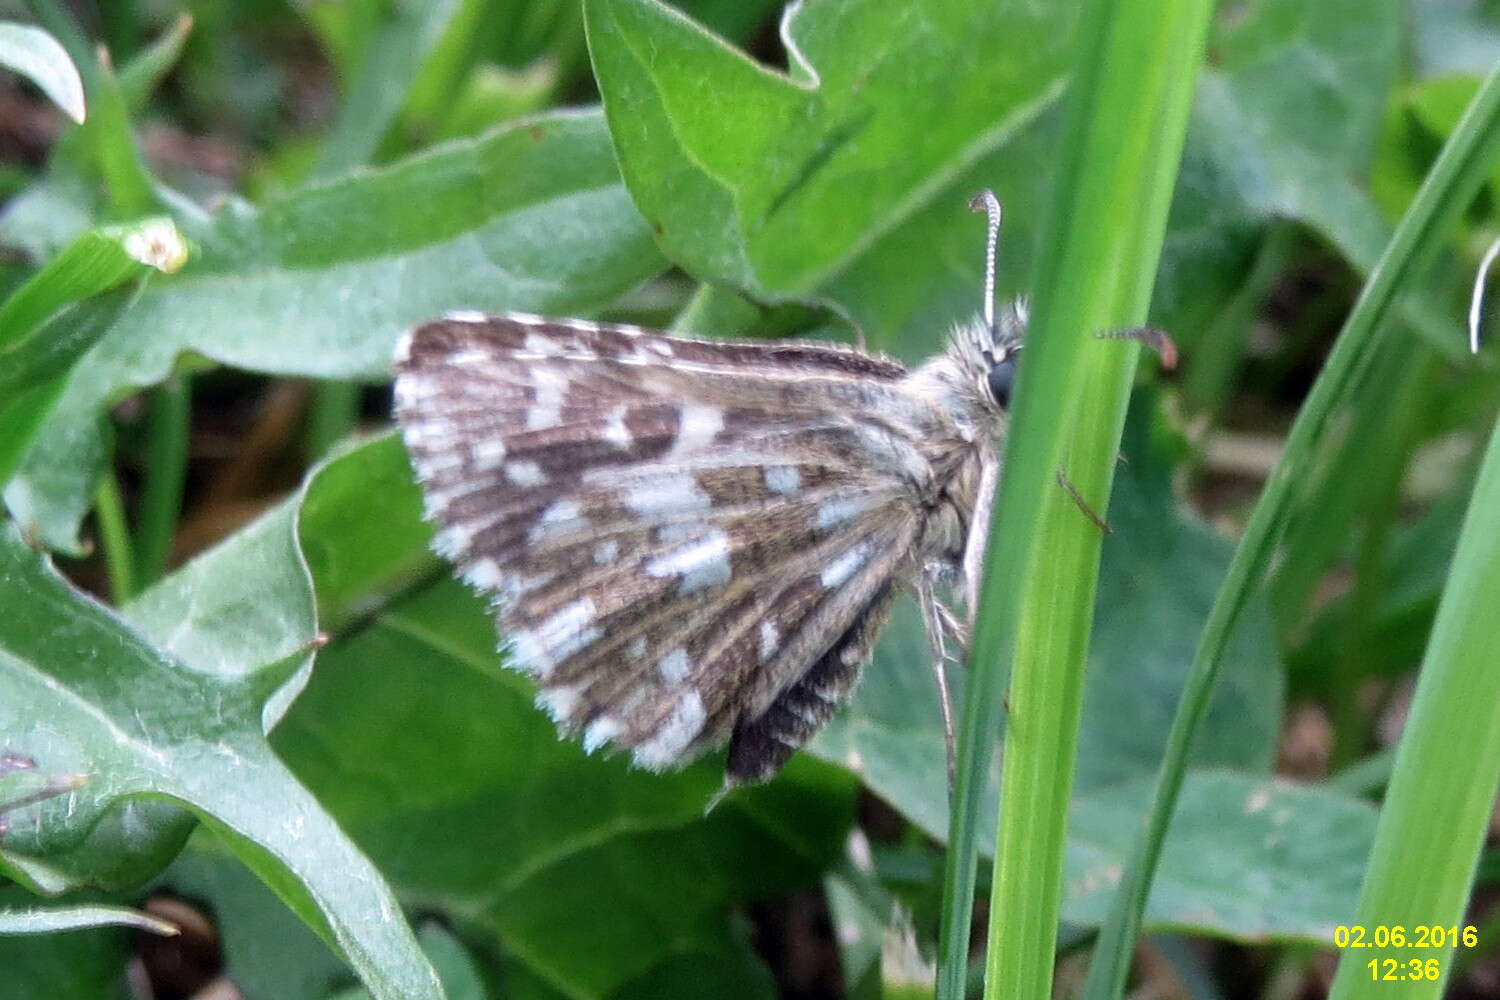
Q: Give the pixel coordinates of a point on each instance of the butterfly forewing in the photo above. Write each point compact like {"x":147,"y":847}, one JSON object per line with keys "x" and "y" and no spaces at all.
{"x":686,"y":541}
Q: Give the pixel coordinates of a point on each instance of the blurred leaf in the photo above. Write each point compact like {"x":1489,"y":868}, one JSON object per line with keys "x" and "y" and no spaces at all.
{"x":36,"y":55}
{"x":88,"y":693}
{"x":816,"y":164}
{"x":1454,"y":36}
{"x":454,"y":967}
{"x":405,"y":34}
{"x":320,"y":284}
{"x":492,"y":95}
{"x":267,"y":951}
{"x":1414,"y":566}
{"x":1247,"y":858}
{"x":22,"y":414}
{"x":1284,"y":126}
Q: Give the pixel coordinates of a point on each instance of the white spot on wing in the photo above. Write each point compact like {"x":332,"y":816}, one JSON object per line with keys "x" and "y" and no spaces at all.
{"x":607,"y":552}
{"x":675,"y":735}
{"x":615,"y":431}
{"x":770,"y":638}
{"x":674,"y":666}
{"x":559,"y":518}
{"x":489,"y":453}
{"x":402,"y":351}
{"x":465,"y":316}
{"x":525,"y":319}
{"x":703,"y":563}
{"x":468,"y":356}
{"x":832,"y":513}
{"x":412,"y":388}
{"x":524,"y":472}
{"x":546,"y":411}
{"x":842,"y":568}
{"x":697,"y":427}
{"x":668,"y":494}
{"x":783,"y":479}
{"x":434,"y":465}
{"x":541,"y":649}
{"x":637,"y":647}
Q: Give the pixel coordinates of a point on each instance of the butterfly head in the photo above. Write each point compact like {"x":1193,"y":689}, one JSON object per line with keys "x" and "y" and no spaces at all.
{"x":985,"y":356}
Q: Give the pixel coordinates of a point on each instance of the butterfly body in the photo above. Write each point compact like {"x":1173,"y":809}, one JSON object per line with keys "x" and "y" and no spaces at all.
{"x":689,"y":542}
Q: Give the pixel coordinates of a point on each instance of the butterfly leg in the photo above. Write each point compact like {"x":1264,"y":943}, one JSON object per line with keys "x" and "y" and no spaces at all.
{"x":1083,"y":505}
{"x":933,"y":620}
{"x":1156,"y":340}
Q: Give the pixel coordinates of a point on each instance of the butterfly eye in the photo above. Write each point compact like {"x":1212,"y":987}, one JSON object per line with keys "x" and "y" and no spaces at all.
{"x":1002,"y":377}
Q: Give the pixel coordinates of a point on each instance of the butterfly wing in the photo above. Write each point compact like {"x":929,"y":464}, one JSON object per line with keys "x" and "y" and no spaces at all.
{"x":684,"y":540}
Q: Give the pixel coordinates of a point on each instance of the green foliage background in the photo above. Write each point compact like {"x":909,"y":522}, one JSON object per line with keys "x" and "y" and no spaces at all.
{"x":627,"y":159}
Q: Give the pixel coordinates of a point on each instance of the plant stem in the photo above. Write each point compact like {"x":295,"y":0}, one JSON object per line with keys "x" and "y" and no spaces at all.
{"x":1450,"y":185}
{"x":161,"y":500}
{"x":1437,"y":806}
{"x":1116,"y":168}
{"x":114,"y":537}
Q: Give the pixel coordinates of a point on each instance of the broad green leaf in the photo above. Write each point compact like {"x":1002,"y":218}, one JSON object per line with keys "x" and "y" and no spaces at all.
{"x":1248,"y":858}
{"x":86,"y":692}
{"x":36,"y":55}
{"x":321,"y":283}
{"x":815,"y":164}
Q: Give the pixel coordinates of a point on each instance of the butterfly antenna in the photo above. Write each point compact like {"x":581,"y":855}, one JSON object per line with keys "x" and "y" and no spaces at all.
{"x":1476,"y":303}
{"x":986,"y":202}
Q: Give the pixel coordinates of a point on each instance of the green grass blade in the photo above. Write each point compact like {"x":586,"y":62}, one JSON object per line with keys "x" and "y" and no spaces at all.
{"x":1437,"y":806}
{"x":1117,"y":168}
{"x":131,"y":191}
{"x":1460,"y":168}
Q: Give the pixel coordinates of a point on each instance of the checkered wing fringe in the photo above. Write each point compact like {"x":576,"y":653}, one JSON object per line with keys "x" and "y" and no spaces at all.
{"x":685,"y":541}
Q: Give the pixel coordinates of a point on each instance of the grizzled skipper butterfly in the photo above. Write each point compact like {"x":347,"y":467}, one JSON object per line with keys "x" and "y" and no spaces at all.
{"x":689,"y":542}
